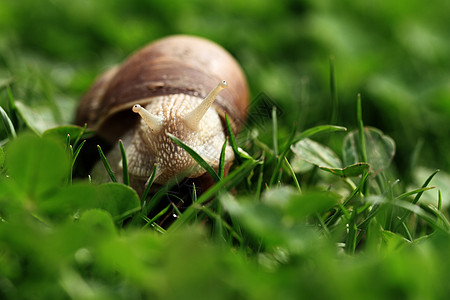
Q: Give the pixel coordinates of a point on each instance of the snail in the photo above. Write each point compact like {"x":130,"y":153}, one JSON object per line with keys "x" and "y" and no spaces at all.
{"x":176,"y":85}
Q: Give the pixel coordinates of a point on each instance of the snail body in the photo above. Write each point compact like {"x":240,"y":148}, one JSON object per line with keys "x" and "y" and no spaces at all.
{"x":175,"y":85}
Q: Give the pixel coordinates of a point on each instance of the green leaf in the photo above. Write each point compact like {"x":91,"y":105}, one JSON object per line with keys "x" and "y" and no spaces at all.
{"x":61,"y":132}
{"x":98,"y":220}
{"x":291,"y":141}
{"x":11,"y":199}
{"x":323,"y":157}
{"x":316,"y":154}
{"x":37,"y":164}
{"x":117,"y":199}
{"x":37,"y":119}
{"x":68,"y":201}
{"x":380,"y":149}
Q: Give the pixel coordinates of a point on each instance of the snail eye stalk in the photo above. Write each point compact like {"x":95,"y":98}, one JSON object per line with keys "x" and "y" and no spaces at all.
{"x":193,"y":118}
{"x":152,"y":121}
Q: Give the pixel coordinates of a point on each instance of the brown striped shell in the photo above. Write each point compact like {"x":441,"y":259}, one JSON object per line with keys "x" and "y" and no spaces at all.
{"x":174,"y":65}
{"x":172,"y":70}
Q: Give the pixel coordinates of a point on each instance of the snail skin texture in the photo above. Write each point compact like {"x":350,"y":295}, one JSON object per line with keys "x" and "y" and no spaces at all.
{"x":176,"y":85}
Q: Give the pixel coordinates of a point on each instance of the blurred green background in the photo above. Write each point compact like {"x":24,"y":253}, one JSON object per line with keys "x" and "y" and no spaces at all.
{"x":395,"y":53}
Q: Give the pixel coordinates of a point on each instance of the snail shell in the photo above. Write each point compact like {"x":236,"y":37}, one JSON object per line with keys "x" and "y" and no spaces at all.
{"x":166,"y":82}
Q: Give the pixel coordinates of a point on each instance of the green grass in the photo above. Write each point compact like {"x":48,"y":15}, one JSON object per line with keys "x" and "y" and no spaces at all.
{"x":350,"y":202}
{"x":101,"y":241}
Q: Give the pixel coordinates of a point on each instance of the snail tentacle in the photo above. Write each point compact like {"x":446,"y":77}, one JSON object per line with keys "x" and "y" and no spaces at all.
{"x":154,"y":122}
{"x":192,"y":118}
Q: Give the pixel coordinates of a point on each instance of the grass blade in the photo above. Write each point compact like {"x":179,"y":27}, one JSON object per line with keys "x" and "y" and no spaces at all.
{"x":362,"y":136}
{"x":196,"y":157}
{"x":439,"y":207}
{"x":350,"y":244}
{"x":410,"y":193}
{"x":159,"y":215}
{"x":260,"y":179}
{"x":70,"y":175}
{"x":230,"y":181}
{"x":318,"y":129}
{"x":291,"y":170}
{"x":149,"y":184}
{"x":194,"y":193}
{"x":419,"y":194}
{"x":8,"y":124}
{"x":106,"y":164}
{"x":12,"y":104}
{"x":276,"y":174}
{"x":126,"y":175}
{"x":356,"y":191}
{"x":76,"y":152}
{"x":408,"y":233}
{"x":425,"y":184}
{"x":275,"y":131}
{"x":219,"y":220}
{"x":68,"y":146}
{"x":83,"y":130}
{"x":233,"y":143}
{"x":417,"y":210}
{"x":158,"y":228}
{"x":221,"y":168}
{"x":362,"y":139}
{"x":440,"y":216}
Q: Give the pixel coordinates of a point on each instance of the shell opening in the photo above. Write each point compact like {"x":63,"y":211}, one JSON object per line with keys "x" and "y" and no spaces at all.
{"x":192,"y":118}
{"x":152,"y":121}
